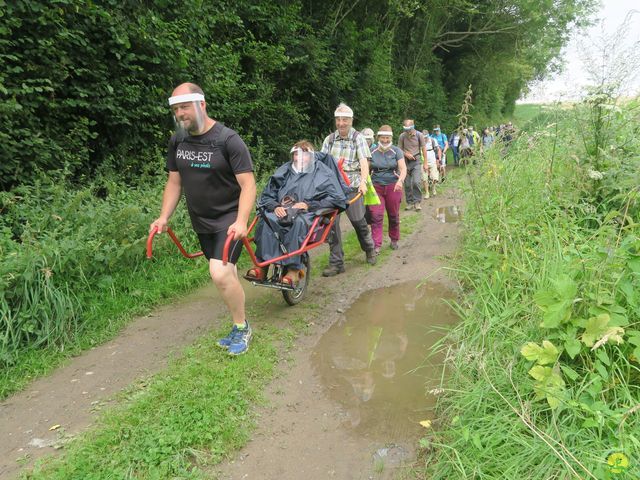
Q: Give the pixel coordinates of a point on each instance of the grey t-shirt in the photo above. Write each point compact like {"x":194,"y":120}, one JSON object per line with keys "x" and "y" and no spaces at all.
{"x":208,"y":178}
{"x":412,"y":143}
{"x":384,"y":165}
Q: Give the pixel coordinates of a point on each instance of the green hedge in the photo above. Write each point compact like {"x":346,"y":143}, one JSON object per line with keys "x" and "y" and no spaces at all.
{"x":84,"y":84}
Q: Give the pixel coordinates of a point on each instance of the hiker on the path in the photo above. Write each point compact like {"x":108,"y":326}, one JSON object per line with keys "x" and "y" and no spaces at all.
{"x":430,"y":172}
{"x":487,"y":139}
{"x":349,"y":148}
{"x":454,"y":142}
{"x":466,"y":148}
{"x":367,"y":133}
{"x":413,"y":144}
{"x":443,"y":143}
{"x":476,"y":143}
{"x":213,"y":166}
{"x":388,"y":171}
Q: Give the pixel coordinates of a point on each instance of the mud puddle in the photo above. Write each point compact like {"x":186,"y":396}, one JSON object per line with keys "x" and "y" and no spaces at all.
{"x":449,"y":214}
{"x":373,"y":360}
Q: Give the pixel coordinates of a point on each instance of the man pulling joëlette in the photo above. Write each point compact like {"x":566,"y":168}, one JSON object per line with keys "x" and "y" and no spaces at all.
{"x":213,"y":166}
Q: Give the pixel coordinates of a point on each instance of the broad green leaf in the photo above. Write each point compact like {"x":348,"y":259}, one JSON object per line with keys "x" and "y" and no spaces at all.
{"x":626,"y":286}
{"x":572,"y":346}
{"x":595,"y":328}
{"x":556,"y":314}
{"x":589,"y":422}
{"x":476,"y":441}
{"x":544,"y":298}
{"x":634,"y":264}
{"x":566,"y":287}
{"x":634,"y":338}
{"x":544,"y":355}
{"x":556,"y":380}
{"x":617,"y":314}
{"x":541,"y":373}
{"x":595,"y":389}
{"x":569,"y":372}
{"x":553,"y":401}
{"x":602,"y":370}
{"x":549,"y":353}
{"x":556,"y":302}
{"x":636,"y":354}
{"x":603,"y":357}
{"x":531,"y":351}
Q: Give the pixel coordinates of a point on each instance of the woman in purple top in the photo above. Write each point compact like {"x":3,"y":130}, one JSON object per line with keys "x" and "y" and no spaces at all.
{"x":388,"y":171}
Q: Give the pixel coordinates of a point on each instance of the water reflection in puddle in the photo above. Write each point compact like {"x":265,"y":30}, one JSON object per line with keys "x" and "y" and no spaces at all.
{"x":450,"y":214}
{"x":368,"y":362}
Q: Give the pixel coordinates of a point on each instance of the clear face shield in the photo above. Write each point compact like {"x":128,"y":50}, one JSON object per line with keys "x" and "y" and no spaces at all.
{"x":302,"y":161}
{"x":367,"y":133}
{"x":385,"y":139}
{"x":188,"y":113}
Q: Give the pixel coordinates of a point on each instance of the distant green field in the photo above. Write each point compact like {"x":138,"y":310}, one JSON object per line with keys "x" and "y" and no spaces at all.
{"x":526,"y":112}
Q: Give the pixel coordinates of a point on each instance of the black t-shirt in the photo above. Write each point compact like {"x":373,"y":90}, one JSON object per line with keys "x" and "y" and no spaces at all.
{"x":208,"y":178}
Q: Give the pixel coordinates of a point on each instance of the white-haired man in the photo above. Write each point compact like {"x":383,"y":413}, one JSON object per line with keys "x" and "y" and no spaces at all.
{"x":213,"y":166}
{"x":349,"y":148}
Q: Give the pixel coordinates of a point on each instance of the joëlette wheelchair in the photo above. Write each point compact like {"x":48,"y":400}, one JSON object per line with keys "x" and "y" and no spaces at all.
{"x":274,"y":271}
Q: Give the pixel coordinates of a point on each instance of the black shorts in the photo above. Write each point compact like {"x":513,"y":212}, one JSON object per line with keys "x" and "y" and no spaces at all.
{"x":213,"y":243}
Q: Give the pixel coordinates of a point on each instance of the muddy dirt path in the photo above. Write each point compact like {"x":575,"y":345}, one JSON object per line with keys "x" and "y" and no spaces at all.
{"x":303,"y":433}
{"x":308,"y":433}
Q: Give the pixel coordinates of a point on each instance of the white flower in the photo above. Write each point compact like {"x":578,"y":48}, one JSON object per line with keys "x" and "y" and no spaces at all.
{"x":595,"y":175}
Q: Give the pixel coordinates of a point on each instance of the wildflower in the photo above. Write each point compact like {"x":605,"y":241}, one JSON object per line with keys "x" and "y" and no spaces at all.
{"x":595,"y":175}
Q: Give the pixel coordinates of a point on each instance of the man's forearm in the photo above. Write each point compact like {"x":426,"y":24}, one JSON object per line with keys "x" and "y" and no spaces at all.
{"x":246,"y":202}
{"x":364,"y":171}
{"x":170,"y":199}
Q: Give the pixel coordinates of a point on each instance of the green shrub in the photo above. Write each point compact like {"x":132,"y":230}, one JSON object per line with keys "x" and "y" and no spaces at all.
{"x":60,"y":245}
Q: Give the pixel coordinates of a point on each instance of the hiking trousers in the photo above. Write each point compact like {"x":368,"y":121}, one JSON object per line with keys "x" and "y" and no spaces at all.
{"x":355,"y":213}
{"x":413,"y":182}
{"x":389,"y":202}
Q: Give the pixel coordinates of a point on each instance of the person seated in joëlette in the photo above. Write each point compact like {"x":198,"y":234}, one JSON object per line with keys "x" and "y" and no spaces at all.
{"x":305,"y":184}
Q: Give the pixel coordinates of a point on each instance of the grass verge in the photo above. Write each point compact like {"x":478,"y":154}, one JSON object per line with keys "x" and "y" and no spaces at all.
{"x":543,"y":372}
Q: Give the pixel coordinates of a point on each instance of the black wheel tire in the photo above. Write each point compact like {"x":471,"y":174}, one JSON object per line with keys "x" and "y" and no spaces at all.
{"x":293,"y":297}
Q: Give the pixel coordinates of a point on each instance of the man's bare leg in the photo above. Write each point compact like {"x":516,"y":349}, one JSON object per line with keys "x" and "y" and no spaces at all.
{"x":225,"y":278}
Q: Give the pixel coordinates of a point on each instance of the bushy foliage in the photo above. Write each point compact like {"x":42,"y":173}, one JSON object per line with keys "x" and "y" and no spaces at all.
{"x":85,"y":84}
{"x":59,"y":246}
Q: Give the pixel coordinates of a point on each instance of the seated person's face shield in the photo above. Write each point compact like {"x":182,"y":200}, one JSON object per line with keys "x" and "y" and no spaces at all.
{"x":302,"y":161}
{"x":188,"y":113}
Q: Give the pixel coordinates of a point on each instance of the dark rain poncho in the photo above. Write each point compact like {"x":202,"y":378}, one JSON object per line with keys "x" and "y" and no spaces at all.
{"x":319,"y":188}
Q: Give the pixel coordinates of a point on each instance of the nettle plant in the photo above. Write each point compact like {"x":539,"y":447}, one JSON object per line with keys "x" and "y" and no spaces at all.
{"x":590,"y":358}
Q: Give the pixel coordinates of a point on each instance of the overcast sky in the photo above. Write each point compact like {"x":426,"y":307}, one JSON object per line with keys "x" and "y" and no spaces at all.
{"x":569,"y":85}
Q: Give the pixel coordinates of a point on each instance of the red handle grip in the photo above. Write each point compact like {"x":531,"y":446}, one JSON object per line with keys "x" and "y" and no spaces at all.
{"x":225,"y":249}
{"x":184,"y":253}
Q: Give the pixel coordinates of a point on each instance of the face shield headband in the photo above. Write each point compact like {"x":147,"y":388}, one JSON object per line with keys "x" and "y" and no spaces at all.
{"x":188,"y":114}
